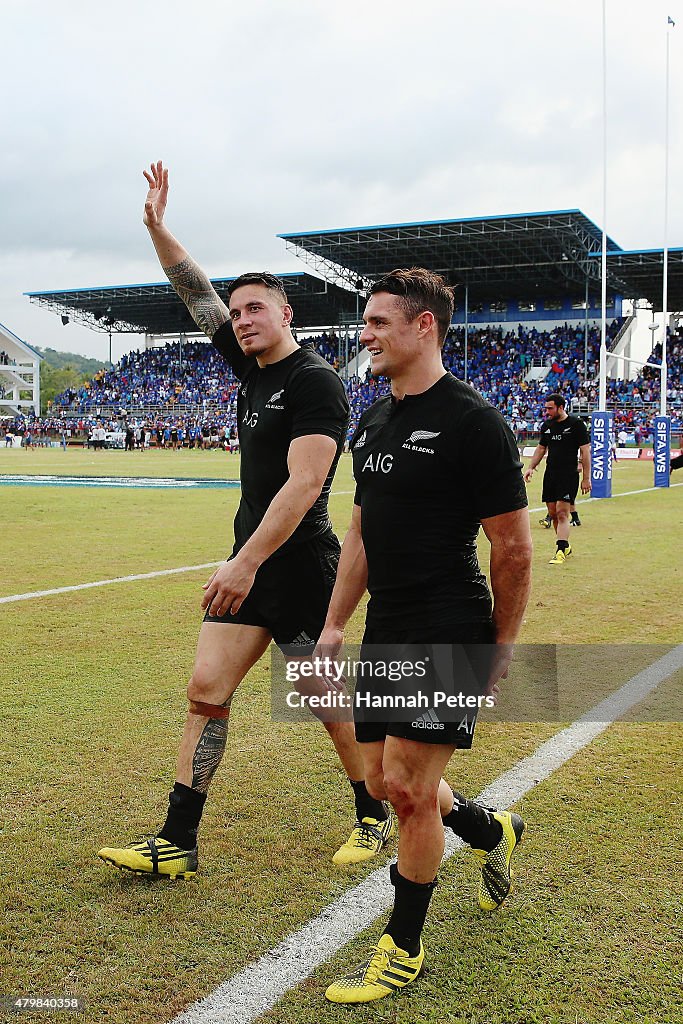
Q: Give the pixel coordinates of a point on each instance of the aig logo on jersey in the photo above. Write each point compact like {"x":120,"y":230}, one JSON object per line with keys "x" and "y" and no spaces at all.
{"x":420,"y":435}
{"x":379,"y":463}
{"x":270,"y":404}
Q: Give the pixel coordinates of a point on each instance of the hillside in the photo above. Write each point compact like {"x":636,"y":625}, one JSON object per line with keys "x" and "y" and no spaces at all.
{"x":82,"y":364}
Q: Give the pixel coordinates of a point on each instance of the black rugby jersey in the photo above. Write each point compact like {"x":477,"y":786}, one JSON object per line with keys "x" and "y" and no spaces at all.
{"x":428,"y":469}
{"x":299,"y":395}
{"x":563,"y":440}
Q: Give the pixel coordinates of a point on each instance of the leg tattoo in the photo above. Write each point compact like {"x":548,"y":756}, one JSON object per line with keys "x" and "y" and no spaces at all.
{"x":210,"y":750}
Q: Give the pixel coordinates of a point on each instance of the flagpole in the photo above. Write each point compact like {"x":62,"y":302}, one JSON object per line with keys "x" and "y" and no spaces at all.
{"x":665,"y":284}
{"x":601,"y":420}
{"x":662,"y":423}
{"x":602,"y":400}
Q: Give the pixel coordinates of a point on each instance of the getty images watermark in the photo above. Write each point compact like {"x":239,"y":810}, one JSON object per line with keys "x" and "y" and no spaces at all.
{"x":429,"y":684}
{"x":333,"y":674}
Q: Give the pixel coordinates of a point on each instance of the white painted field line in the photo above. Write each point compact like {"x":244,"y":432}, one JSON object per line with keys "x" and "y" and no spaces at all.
{"x":257,"y":987}
{"x":105,"y":583}
{"x":620,"y":494}
{"x":11,"y":598}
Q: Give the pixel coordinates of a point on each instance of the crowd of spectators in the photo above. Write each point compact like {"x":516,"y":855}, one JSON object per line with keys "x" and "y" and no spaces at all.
{"x":132,"y":433}
{"x":328,"y":346}
{"x":191,"y":374}
{"x":42,"y":431}
{"x":646,"y":388}
{"x":187,"y":397}
{"x":499,"y":362}
{"x":181,"y":432}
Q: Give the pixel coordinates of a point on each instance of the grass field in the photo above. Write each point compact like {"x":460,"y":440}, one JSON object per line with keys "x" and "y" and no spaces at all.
{"x":93,"y":702}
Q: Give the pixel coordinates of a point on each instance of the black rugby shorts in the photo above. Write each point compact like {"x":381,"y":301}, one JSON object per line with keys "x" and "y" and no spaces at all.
{"x":560,"y":487}
{"x":457,"y":661}
{"x":291,"y":594}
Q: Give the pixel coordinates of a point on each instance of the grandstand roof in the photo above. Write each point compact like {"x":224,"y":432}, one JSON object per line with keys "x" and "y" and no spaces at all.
{"x":156,"y":309}
{"x":521,"y":256}
{"x":514,"y":255}
{"x":642,"y":270}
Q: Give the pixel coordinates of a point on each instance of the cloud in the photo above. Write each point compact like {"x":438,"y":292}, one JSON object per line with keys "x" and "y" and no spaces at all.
{"x":284,"y":117}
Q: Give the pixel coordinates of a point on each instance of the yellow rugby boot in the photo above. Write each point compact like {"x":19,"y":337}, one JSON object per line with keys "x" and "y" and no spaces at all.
{"x":388,"y":970}
{"x":368,"y":838}
{"x":496,"y":876}
{"x":152,"y":855}
{"x":560,"y":556}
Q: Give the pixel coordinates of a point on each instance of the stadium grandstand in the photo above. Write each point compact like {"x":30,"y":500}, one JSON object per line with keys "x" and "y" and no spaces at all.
{"x":526,"y":323}
{"x":19,"y":375}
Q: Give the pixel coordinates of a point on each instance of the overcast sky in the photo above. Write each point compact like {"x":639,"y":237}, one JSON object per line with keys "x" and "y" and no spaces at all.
{"x":287,"y":116}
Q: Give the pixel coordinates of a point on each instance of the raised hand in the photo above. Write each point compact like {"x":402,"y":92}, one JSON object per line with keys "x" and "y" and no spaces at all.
{"x":155,"y":203}
{"x":195,"y":289}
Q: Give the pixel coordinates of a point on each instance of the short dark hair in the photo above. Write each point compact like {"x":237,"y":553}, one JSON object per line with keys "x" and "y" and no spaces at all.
{"x":270,"y":281}
{"x":557,"y":399}
{"x":420,"y":290}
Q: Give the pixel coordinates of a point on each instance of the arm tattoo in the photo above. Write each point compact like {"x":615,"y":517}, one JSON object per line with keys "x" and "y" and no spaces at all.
{"x":208,"y":753}
{"x":206,"y":308}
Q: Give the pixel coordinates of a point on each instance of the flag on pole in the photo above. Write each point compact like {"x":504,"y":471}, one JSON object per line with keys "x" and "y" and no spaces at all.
{"x":670,"y":20}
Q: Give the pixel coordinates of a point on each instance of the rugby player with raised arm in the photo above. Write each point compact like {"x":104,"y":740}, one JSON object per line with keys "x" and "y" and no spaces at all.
{"x":292,"y":415}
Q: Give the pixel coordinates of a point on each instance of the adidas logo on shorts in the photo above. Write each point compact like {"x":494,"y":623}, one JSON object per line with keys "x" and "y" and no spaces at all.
{"x":302,"y":640}
{"x":429,"y":720}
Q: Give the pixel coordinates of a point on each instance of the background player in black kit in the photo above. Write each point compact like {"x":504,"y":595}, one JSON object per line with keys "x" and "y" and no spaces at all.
{"x":563,"y":438}
{"x":292,"y":414}
{"x":433,"y":462}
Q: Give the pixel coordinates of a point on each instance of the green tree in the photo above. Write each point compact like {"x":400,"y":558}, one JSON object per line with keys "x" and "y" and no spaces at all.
{"x":53,"y":381}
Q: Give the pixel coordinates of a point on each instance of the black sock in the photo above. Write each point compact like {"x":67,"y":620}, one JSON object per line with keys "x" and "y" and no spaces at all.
{"x":411,"y":902}
{"x":562,"y":545}
{"x":366,"y":805}
{"x":185,"y":808}
{"x":575,"y":516}
{"x":473,"y":823}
